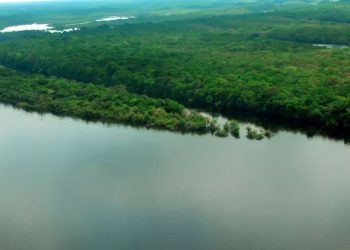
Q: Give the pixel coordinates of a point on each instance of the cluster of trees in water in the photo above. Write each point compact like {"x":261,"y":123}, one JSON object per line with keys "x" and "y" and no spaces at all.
{"x":224,"y":64}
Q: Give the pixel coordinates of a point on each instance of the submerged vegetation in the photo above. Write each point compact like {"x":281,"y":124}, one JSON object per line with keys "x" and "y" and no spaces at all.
{"x":257,"y":133}
{"x":230,"y":127}
{"x":234,"y":128}
{"x":259,"y":63}
{"x":254,"y":134}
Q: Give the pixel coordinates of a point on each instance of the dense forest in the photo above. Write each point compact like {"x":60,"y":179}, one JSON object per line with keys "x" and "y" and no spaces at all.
{"x":263,"y":63}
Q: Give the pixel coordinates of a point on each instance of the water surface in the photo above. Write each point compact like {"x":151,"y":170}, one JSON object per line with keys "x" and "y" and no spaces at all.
{"x":35,"y":27}
{"x":331,"y":46}
{"x":114,"y":18}
{"x":66,"y":184}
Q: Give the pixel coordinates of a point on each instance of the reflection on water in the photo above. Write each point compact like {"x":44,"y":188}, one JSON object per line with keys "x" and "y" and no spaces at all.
{"x":277,"y":124}
{"x":66,"y":184}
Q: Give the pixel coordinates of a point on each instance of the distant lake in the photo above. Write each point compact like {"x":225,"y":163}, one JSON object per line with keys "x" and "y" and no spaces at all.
{"x":35,"y":27}
{"x":50,"y":29}
{"x":331,"y":46}
{"x":67,"y":184}
{"x":114,"y":18}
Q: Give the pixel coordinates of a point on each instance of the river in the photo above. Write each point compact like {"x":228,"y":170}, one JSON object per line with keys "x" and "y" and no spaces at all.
{"x":67,"y":184}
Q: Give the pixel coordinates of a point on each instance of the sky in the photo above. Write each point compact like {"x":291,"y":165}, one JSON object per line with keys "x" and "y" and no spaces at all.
{"x":21,"y":1}
{"x":32,"y":1}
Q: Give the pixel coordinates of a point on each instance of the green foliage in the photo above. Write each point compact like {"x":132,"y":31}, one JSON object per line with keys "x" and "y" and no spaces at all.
{"x":234,"y":128}
{"x":222,"y":133}
{"x":92,"y":102}
{"x":254,"y":134}
{"x":214,"y":126}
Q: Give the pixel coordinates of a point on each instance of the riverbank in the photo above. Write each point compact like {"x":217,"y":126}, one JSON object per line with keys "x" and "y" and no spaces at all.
{"x":96,"y":103}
